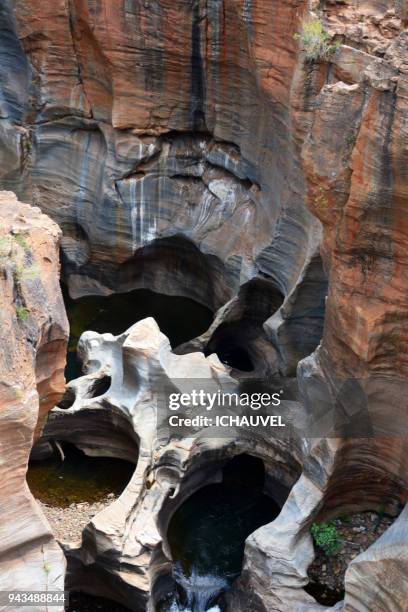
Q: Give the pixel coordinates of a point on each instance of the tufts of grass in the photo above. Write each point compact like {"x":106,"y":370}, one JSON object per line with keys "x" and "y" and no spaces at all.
{"x":315,"y":41}
{"x":21,"y":241}
{"x":22,"y":313}
{"x":15,"y":250}
{"x":351,"y":138}
{"x":25,"y":272}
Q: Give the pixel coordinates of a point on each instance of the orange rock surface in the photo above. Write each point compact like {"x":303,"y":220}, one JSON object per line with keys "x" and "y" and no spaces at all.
{"x":33,"y":339}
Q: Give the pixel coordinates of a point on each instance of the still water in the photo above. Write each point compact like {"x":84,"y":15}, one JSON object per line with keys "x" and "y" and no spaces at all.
{"x":77,"y":479}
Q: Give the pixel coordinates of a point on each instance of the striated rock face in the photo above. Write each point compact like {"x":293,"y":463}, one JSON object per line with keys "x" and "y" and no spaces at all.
{"x":354,"y":165}
{"x":170,"y":121}
{"x":358,"y":188}
{"x":191,"y":148}
{"x":33,"y":339}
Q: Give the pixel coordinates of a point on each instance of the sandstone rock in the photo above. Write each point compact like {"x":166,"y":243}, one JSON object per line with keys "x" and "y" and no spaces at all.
{"x":190,"y":137}
{"x":356,"y":189}
{"x":162,"y":164}
{"x":170,"y":467}
{"x":33,"y":338}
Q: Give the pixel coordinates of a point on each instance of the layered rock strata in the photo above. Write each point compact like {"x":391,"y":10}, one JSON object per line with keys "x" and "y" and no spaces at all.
{"x":171,"y":123}
{"x":356,"y":188}
{"x":203,"y":154}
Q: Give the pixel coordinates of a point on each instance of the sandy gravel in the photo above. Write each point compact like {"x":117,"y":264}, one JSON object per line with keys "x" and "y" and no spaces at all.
{"x":67,"y":523}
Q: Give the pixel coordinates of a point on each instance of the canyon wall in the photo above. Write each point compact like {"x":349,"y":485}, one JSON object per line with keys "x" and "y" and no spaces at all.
{"x":354,"y":160}
{"x":33,"y":338}
{"x":192,"y":148}
{"x":159,"y":132}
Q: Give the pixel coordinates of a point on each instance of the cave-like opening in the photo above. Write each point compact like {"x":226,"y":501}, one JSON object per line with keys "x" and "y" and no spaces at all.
{"x":169,"y":279}
{"x":100,"y":386}
{"x":179,"y":318}
{"x":72,"y":477}
{"x":207,"y":533}
{"x":231,"y":343}
{"x":235,"y":340}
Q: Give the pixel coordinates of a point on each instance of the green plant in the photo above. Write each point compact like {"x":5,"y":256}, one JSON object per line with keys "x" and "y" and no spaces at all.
{"x":25,"y":272}
{"x":351,"y":138}
{"x":345,"y":518}
{"x":15,"y":250}
{"x":7,"y":244}
{"x":315,"y":41}
{"x":321,"y":199}
{"x":326,"y":537}
{"x":18,"y":392}
{"x":22,"y":313}
{"x":21,"y":241}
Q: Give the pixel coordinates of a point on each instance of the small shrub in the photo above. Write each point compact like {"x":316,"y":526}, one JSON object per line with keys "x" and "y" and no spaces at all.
{"x":351,"y":139}
{"x":15,"y":250}
{"x":315,"y":41}
{"x":18,"y":392}
{"x":326,"y":537}
{"x":22,"y":313}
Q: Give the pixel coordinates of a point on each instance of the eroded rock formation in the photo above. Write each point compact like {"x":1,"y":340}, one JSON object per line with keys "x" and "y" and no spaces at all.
{"x":356,"y":188}
{"x":175,"y":149}
{"x":124,"y":553}
{"x":191,"y":148}
{"x":373,"y":577}
{"x":33,"y":338}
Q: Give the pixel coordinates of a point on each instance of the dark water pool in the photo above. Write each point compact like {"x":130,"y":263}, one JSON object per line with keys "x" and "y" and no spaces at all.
{"x":77,"y":479}
{"x":324,"y":595}
{"x":181,"y":319}
{"x":207,"y":537}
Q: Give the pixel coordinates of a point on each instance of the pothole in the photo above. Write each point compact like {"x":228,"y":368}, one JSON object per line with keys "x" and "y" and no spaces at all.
{"x":238,"y":341}
{"x":207,"y":534}
{"x":230,"y":341}
{"x":100,"y":386}
{"x":72,"y":491}
{"x":352,"y":535}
